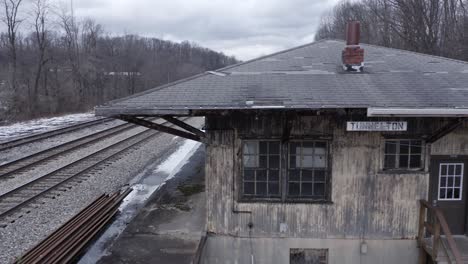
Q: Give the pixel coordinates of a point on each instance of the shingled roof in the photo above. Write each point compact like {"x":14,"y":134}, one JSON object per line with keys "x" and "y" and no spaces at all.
{"x":310,"y":77}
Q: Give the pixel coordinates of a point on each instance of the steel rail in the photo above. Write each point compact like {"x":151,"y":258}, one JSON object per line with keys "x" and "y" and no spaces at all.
{"x":12,"y":168}
{"x":67,"y":176}
{"x":66,"y":243}
{"x":35,"y":137}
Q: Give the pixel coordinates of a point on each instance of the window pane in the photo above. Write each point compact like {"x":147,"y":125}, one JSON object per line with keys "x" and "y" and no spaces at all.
{"x":308,"y":148}
{"x":319,"y":176}
{"x":274,"y":162}
{"x":263,"y":147}
{"x":457,"y":181}
{"x":292,"y":161}
{"x":451,"y":170}
{"x":319,"y":189}
{"x":263,"y":162}
{"x":444,"y":170}
{"x":249,"y":188}
{"x":273,"y":188}
{"x":261,"y":188}
{"x":294,"y":175}
{"x":306,"y":175}
{"x":320,"y":162}
{"x":294,"y":189}
{"x":404,"y":161}
{"x":450,"y":182}
{"x":390,"y":147}
{"x":261,"y":175}
{"x":390,"y":161}
{"x":415,"y":161}
{"x":251,"y":161}
{"x":404,"y":147}
{"x":458,"y":170}
{"x":249,"y":175}
{"x":416,"y":147}
{"x":320,"y":151}
{"x":443,"y":181}
{"x":250,"y":147}
{"x":449,"y":193}
{"x":456,"y":193}
{"x":274,"y":148}
{"x":274,"y":175}
{"x":442,"y":193}
{"x":307,"y":162}
{"x":294,"y":148}
{"x":306,"y":189}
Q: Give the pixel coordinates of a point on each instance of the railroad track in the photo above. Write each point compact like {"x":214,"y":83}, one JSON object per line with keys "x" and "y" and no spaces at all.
{"x":23,"y":197}
{"x":9,"y":170}
{"x":29,"y":139}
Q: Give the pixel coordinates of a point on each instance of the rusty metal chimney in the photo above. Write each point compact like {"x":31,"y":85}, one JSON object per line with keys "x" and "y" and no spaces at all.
{"x":353,"y":55}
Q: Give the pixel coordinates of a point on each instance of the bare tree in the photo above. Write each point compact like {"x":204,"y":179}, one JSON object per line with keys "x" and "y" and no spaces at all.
{"x":12,"y":23}
{"x":39,"y":12}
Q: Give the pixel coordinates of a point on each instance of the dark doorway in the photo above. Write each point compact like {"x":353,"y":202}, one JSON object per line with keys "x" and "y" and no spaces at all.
{"x":449,"y":189}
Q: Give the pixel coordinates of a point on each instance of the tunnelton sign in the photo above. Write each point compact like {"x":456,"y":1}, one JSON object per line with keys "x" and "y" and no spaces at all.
{"x":377,"y":126}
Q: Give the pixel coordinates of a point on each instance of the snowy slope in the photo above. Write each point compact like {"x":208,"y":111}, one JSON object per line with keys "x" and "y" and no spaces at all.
{"x":42,"y":125}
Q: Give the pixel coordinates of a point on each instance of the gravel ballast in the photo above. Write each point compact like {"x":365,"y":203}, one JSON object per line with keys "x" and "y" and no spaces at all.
{"x":17,"y":237}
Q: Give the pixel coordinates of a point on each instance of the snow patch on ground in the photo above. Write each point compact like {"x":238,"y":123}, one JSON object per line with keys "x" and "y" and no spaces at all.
{"x":42,"y":125}
{"x":142,"y":191}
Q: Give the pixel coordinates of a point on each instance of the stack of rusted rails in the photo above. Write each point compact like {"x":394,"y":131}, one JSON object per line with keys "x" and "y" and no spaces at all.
{"x":68,"y":242}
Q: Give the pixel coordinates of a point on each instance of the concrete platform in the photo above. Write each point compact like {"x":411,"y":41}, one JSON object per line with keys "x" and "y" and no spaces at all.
{"x":168,"y":229}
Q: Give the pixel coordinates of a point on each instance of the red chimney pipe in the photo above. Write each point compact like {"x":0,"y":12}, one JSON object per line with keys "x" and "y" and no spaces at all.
{"x":353,"y":33}
{"x":353,"y":55}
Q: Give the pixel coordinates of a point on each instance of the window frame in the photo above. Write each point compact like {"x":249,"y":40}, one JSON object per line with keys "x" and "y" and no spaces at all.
{"x":446,"y":187}
{"x":283,"y":173}
{"x":327,"y":181}
{"x":397,"y":154}
{"x":245,"y":197}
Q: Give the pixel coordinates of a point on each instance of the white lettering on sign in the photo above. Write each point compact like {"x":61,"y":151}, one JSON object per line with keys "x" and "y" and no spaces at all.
{"x":377,"y":126}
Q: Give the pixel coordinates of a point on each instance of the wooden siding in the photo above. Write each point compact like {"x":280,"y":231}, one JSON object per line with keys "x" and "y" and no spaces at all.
{"x":455,"y":143}
{"x":366,"y":202}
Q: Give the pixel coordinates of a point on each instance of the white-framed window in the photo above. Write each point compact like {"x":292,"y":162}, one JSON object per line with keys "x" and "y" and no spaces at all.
{"x":450,"y":181}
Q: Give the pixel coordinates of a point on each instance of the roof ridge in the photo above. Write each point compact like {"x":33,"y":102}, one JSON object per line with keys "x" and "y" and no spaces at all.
{"x":273,"y":54}
{"x":415,"y":52}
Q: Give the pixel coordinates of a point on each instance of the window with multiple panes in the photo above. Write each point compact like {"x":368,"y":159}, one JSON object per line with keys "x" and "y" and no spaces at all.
{"x":261,"y":168}
{"x":403,"y":154}
{"x":306,"y":170}
{"x":450,"y":181}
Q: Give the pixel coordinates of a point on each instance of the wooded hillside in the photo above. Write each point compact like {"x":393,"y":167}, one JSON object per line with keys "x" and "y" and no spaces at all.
{"x":51,"y":63}
{"x":438,"y":27}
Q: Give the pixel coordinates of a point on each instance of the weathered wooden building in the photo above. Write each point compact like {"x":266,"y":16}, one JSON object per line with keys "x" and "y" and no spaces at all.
{"x":313,"y":158}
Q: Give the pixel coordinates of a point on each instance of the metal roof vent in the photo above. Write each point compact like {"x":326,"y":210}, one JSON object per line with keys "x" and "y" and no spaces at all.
{"x":353,"y":55}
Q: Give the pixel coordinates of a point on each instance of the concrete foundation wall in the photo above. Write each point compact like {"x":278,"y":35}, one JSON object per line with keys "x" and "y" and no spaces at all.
{"x":231,"y":250}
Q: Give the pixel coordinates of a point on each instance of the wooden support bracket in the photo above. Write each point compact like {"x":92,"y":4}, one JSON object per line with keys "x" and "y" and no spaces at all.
{"x":162,"y":128}
{"x":445,"y":130}
{"x":185,"y":126}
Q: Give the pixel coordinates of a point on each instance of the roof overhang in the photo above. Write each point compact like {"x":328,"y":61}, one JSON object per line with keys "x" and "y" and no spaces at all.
{"x":417,"y":112}
{"x":114,"y":111}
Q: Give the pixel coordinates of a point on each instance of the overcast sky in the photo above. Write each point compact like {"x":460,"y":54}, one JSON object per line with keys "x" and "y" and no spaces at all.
{"x":243,"y":28}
